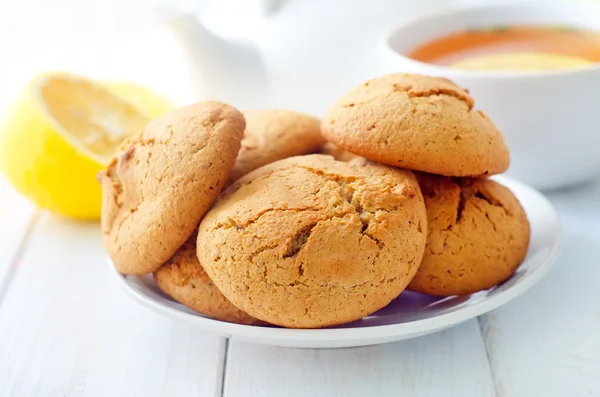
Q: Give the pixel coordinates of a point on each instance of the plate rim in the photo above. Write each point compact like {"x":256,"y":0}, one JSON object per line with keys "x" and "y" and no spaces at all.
{"x":416,"y":327}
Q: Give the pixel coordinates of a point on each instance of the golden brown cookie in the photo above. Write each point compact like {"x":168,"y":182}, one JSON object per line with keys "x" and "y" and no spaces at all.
{"x":163,"y":180}
{"x":419,"y":123}
{"x":337,"y":152}
{"x":310,"y":242}
{"x":184,"y":279}
{"x":478,"y":235}
{"x":274,"y":134}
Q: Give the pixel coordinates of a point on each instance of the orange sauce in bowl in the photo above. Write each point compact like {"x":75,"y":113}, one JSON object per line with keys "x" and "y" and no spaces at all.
{"x":576,"y":45}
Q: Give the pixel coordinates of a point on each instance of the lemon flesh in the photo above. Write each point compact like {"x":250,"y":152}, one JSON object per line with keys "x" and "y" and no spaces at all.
{"x":521,"y":62}
{"x":89,"y":116}
{"x":58,"y":135}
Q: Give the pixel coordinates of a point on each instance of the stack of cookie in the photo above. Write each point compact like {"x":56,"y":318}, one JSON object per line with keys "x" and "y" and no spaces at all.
{"x":478,"y":233}
{"x":400,"y":200}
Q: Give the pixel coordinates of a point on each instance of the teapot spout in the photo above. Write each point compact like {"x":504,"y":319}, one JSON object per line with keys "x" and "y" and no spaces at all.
{"x":219,"y":69}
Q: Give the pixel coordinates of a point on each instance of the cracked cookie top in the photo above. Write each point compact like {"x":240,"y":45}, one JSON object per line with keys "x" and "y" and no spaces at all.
{"x":311,"y":242}
{"x":478,"y":235}
{"x":163,"y":180}
{"x":184,"y":279}
{"x":275,"y":134}
{"x":417,"y":122}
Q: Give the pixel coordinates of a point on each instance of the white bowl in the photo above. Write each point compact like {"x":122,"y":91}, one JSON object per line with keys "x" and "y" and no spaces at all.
{"x":409,"y":316}
{"x":551,"y":120}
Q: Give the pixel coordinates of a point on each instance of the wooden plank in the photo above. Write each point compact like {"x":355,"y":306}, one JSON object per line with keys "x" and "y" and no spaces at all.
{"x":547,"y":342}
{"x":448,"y":363}
{"x":67,"y":330}
{"x":16,"y":217}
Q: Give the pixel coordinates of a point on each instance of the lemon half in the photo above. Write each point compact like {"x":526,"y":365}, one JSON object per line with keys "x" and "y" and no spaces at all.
{"x":58,"y":135}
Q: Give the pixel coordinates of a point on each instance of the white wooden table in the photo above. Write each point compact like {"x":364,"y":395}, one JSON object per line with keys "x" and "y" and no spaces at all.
{"x":66,"y":329}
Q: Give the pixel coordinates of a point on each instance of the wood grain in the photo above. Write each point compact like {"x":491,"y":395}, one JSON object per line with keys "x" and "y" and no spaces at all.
{"x":448,"y":363}
{"x":67,"y":330}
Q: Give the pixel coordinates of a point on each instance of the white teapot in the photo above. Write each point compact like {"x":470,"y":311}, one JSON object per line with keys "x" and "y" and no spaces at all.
{"x":295,"y":54}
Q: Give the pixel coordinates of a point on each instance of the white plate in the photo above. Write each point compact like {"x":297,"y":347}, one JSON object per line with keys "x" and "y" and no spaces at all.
{"x":408,"y":316}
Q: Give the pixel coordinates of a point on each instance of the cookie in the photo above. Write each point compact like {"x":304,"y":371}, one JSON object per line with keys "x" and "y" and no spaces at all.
{"x":337,"y":152}
{"x":478,"y":235}
{"x":163,"y":180}
{"x":419,"y":123}
{"x":311,"y":242}
{"x":184,"y":279}
{"x":274,"y":134}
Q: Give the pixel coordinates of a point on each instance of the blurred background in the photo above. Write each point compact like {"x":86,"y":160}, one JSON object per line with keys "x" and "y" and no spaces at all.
{"x":125,"y":40}
{"x":313,"y":50}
